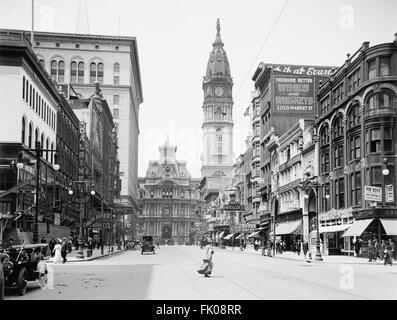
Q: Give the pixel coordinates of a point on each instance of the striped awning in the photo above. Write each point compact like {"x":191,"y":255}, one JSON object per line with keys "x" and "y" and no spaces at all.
{"x":254,"y":235}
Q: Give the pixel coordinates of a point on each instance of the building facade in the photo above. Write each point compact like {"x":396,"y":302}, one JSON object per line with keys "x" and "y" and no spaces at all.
{"x":356,"y":148}
{"x":33,"y":111}
{"x":113,"y":61}
{"x":168,"y":199}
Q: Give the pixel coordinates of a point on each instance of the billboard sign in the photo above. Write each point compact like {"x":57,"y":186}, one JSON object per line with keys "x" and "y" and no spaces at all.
{"x":373,"y":193}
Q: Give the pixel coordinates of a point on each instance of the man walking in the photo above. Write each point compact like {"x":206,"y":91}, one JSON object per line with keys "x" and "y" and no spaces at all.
{"x":64,"y":249}
{"x":389,"y":253}
{"x":370,"y":251}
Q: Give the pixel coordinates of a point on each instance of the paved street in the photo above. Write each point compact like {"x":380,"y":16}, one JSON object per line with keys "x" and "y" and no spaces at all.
{"x":171,"y":274}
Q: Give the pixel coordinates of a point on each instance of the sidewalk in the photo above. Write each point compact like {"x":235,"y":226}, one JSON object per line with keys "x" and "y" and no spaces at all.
{"x":96,"y":254}
{"x":289,"y":255}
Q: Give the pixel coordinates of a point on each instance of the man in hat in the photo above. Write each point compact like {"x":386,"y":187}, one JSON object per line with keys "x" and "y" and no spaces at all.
{"x":64,"y":249}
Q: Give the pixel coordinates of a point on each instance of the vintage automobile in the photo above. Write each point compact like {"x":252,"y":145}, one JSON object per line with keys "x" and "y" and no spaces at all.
{"x":147,"y":244}
{"x":26,"y":263}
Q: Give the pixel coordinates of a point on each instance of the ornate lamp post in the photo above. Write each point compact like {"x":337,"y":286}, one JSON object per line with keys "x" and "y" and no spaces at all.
{"x":80,"y":241}
{"x":311,"y":183}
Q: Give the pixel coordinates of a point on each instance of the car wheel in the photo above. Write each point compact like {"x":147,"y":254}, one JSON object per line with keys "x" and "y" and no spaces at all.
{"x":22,"y":283}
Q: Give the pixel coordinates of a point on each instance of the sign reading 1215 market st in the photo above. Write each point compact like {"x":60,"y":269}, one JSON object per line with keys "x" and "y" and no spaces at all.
{"x":294,"y":88}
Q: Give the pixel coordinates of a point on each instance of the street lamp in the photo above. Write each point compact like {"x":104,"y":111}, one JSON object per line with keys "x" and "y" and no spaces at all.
{"x":80,"y":241}
{"x":38,"y":153}
{"x":314,"y":185}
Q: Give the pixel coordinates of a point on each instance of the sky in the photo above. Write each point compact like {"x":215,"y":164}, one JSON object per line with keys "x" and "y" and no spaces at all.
{"x":175,"y":38}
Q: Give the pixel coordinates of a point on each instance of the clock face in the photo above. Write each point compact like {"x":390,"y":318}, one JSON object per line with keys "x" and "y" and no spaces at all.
{"x":219,"y":91}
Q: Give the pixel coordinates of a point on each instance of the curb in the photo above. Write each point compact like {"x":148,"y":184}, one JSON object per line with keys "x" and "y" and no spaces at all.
{"x":94,"y":258}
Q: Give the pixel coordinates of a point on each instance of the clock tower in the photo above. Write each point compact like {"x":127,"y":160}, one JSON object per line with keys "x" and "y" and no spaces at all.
{"x":217,"y":145}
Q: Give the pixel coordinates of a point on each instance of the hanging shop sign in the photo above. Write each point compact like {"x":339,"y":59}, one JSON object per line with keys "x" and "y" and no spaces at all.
{"x":389,"y":193}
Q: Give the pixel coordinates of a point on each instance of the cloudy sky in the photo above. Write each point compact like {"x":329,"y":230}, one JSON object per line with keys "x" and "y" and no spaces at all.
{"x":174,"y":41}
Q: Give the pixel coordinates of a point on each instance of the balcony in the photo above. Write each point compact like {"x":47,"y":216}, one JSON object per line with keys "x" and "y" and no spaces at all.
{"x":256,"y":118}
{"x":256,"y":138}
{"x":256,"y":157}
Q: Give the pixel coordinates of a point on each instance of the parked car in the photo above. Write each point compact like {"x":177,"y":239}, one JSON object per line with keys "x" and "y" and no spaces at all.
{"x":25,"y":264}
{"x":147,"y":244}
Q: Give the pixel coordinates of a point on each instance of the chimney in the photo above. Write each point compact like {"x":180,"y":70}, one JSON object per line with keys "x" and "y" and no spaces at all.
{"x":365,"y":46}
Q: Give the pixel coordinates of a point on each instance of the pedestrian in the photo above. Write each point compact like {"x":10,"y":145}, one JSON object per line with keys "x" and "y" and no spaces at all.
{"x":64,"y":249}
{"x":69,"y":244}
{"x":357,"y":247}
{"x":298,"y":247}
{"x":305,"y":248}
{"x":269,"y":248}
{"x":375,"y":249}
{"x":206,"y":267}
{"x":393,"y":249}
{"x":90,"y":243}
{"x":283,"y":246}
{"x":389,"y":253}
{"x":52,"y":244}
{"x":256,"y":244}
{"x":57,"y":251}
{"x":43,"y":240}
{"x":382,"y":250}
{"x":370,"y":251}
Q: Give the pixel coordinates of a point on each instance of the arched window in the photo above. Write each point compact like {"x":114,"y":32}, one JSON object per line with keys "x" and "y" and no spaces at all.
{"x":54,"y":71}
{"x":27,"y":91}
{"x":116,"y":73}
{"x":92,"y":72}
{"x":324,"y":135}
{"x":42,"y":140}
{"x":36,"y":138}
{"x":73,"y":72}
{"x":338,"y":127}
{"x":23,"y":131}
{"x":47,"y":146}
{"x":100,"y":72}
{"x":30,"y":135}
{"x":61,"y":71}
{"x":354,"y":116}
{"x":81,"y":72}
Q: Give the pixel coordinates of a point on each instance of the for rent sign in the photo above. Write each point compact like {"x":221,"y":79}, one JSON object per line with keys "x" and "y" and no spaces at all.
{"x":373,"y":193}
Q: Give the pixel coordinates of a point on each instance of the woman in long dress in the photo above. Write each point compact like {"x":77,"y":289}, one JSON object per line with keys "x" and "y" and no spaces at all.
{"x":57,"y":250}
{"x":206,"y":267}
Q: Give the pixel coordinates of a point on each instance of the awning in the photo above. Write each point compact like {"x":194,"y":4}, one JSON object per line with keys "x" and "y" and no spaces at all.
{"x":254,"y":235}
{"x":390,"y":226}
{"x":240,"y":236}
{"x":228,"y":236}
{"x":336,"y":228}
{"x":290,"y":227}
{"x":221,"y":234}
{"x":357,"y":228}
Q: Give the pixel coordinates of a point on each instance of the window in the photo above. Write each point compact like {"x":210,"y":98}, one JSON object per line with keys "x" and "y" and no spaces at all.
{"x":388,"y":139}
{"x":30,"y":135}
{"x":116,"y":99}
{"x":53,"y":69}
{"x":34,"y":103}
{"x":96,"y":46}
{"x":384,"y":66}
{"x":338,"y":93}
{"x":42,"y":140}
{"x":37,"y":43}
{"x":23,"y":88}
{"x":376,"y":176}
{"x":355,"y":150}
{"x":81,"y":72}
{"x":23,"y":131}
{"x":73,"y":72}
{"x":354,"y":80}
{"x":374,"y":140}
{"x":354,"y":116}
{"x":116,"y":74}
{"x":27,"y":91}
{"x":324,"y":135}
{"x":61,"y":71}
{"x":116,"y":113}
{"x":36,"y":135}
{"x":325,"y":201}
{"x":77,"y":46}
{"x":47,"y":146}
{"x":338,"y":127}
{"x":355,"y":182}
{"x":324,"y":162}
{"x":96,"y":72}
{"x":339,"y":193}
{"x":338,"y":156}
{"x":116,"y":48}
{"x":371,"y":69}
{"x":57,"y":45}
